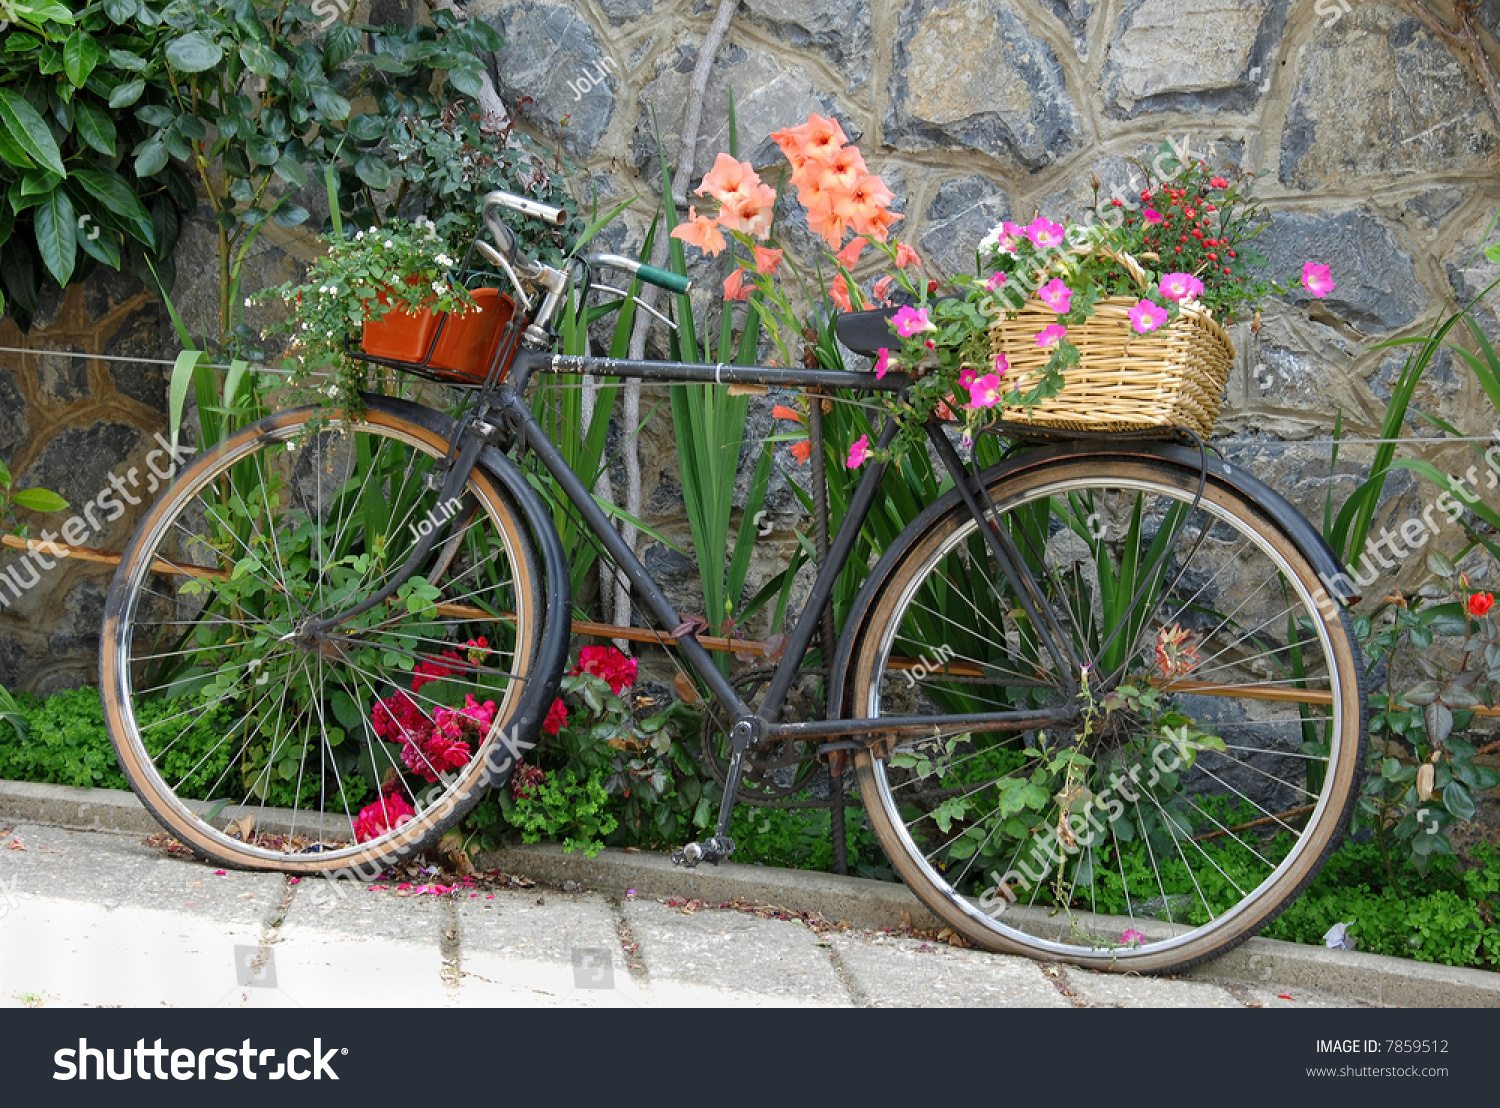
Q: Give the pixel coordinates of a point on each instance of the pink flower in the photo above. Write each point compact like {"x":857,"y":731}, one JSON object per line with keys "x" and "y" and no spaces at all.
{"x":734,"y":286}
{"x":1132,"y":937}
{"x":1153,"y":216}
{"x":985,"y":392}
{"x":608,"y":663}
{"x":1044,"y":233}
{"x":1048,"y":336}
{"x":882,"y":362}
{"x":859,"y":452}
{"x":1316,"y":280}
{"x":996,"y":280}
{"x":1217,"y":183}
{"x":906,"y":256}
{"x":910,"y":320}
{"x":1146,"y":316}
{"x":1055,"y":295}
{"x":1180,"y":286}
{"x":850,"y":254}
{"x":838,"y":292}
{"x":967,"y":378}
{"x":882,"y":287}
{"x":1009,"y":237}
{"x":1001,"y":365}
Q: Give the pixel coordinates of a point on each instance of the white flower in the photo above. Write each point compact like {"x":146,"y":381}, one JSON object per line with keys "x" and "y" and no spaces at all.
{"x":444,"y":260}
{"x":249,"y":303}
{"x":389,"y":244}
{"x":359,"y":236}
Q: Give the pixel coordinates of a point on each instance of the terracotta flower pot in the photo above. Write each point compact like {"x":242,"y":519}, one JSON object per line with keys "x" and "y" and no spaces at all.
{"x":469,"y":341}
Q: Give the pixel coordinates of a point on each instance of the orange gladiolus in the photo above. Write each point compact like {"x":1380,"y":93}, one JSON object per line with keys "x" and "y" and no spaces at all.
{"x":781,"y":411}
{"x":750,"y":211}
{"x":839,"y":291}
{"x":700,"y":231}
{"x":733,"y":286}
{"x":767,"y":261}
{"x":850,"y":254}
{"x":802,"y":450}
{"x":728,"y":178}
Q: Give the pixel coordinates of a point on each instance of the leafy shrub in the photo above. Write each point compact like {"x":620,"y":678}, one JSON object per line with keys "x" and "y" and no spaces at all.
{"x":566,"y":808}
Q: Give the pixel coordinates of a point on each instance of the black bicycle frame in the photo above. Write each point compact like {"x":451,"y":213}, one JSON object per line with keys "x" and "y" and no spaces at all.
{"x":761,"y":723}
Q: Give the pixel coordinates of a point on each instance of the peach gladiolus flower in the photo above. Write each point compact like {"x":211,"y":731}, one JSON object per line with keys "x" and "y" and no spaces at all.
{"x":727,"y":178}
{"x":750,"y":211}
{"x":781,"y":411}
{"x":839,"y":292}
{"x":801,"y":450}
{"x":880,"y":224}
{"x":906,"y":256}
{"x":866,"y":199}
{"x":823,"y":219}
{"x":850,"y":254}
{"x":767,"y":261}
{"x":845,"y":166}
{"x":700,"y":231}
{"x":882,"y":287}
{"x":821,"y":138}
{"x":734,"y":286}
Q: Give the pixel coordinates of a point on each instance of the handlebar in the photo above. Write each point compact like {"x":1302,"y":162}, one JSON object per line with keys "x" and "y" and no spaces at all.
{"x":661,"y":278}
{"x":526,"y":206}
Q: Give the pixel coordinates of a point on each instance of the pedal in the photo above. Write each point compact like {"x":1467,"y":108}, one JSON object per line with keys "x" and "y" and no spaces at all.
{"x":714,"y":851}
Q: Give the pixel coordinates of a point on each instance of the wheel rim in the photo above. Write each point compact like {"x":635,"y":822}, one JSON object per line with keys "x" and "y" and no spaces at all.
{"x":1052,"y":875}
{"x":344,"y":747}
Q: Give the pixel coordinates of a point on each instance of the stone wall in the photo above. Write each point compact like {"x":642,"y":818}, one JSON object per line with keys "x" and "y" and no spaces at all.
{"x":1378,"y":150}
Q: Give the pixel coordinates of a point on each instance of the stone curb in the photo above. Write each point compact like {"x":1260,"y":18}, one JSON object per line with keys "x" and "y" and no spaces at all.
{"x":1264,"y":963}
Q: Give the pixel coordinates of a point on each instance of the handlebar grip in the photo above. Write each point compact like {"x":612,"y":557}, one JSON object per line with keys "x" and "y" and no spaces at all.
{"x":664,"y":278}
{"x":526,"y":206}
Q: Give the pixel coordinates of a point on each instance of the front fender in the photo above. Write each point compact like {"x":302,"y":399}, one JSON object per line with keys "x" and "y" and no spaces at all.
{"x":1291,"y":522}
{"x":557,"y":599}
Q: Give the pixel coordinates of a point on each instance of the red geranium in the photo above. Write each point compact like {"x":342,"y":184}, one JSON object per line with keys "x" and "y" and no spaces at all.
{"x":1480,"y":603}
{"x":608,"y":663}
{"x":378,"y":818}
{"x":557,"y":718}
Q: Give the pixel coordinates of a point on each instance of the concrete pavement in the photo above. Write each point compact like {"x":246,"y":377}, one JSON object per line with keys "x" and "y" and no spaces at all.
{"x":101,"y":918}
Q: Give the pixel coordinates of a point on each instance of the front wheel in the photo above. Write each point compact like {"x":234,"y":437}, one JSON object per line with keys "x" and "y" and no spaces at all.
{"x":259,"y":745}
{"x":1194,"y":785}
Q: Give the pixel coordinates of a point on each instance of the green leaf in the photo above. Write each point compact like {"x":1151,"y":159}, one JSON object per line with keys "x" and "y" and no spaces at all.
{"x":193,"y":52}
{"x":39,"y":500}
{"x":367,"y":128}
{"x":80,"y":55}
{"x":373,"y":172}
{"x":152,"y":159}
{"x":115,"y":193}
{"x":120,"y":11}
{"x":1439,"y":720}
{"x":182,"y":378}
{"x":127,"y":93}
{"x":468,"y":80}
{"x":1493,"y":253}
{"x":29,"y":131}
{"x":291,"y":171}
{"x":94,"y":127}
{"x":56,"y":230}
{"x":331,"y":106}
{"x":1458,"y":800}
{"x":1439,"y":565}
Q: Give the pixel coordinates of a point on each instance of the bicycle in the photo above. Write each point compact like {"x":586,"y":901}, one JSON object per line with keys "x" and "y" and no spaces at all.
{"x":1099,"y":706}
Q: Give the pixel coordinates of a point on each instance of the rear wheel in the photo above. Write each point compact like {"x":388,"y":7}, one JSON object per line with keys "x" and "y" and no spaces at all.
{"x":1194,"y":786}
{"x":261,"y":747}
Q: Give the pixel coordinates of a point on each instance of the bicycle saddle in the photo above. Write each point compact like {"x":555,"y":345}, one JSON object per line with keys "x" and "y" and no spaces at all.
{"x":866,"y":332}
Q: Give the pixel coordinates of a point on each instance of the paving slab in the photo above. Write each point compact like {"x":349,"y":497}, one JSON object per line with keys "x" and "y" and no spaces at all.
{"x":356,"y":948}
{"x":539,"y":947}
{"x":115,"y":871}
{"x":1126,"y":990}
{"x":891,"y":971}
{"x":713,"y":957}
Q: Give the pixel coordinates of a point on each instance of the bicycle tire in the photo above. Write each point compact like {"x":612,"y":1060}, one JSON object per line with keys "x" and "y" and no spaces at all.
{"x":905,"y":807}
{"x":187,"y":539}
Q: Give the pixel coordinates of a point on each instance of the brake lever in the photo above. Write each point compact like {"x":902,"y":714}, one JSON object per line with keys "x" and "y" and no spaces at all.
{"x":639,"y":303}
{"x":494,"y":257}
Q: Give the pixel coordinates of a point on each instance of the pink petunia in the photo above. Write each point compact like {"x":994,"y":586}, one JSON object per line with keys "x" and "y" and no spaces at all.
{"x":1049,"y":336}
{"x":882,"y":363}
{"x":910,"y":320}
{"x":1044,"y":233}
{"x":859,"y":452}
{"x":967,"y":378}
{"x":1153,"y":216}
{"x":996,"y":280}
{"x":1009,"y":237}
{"x":985,"y":391}
{"x":1180,"y":286}
{"x":1316,"y":279}
{"x":1055,"y":295}
{"x":1001,"y":365}
{"x":1132,"y":937}
{"x":1147,"y":316}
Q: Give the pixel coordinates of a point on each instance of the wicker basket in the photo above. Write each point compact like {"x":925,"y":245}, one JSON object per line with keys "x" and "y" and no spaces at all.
{"x":1171,"y":377}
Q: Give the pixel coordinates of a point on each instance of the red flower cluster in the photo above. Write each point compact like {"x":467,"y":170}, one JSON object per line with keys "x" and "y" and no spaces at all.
{"x":376,"y":819}
{"x":432,"y":747}
{"x":608,"y":663}
{"x":1480,"y":603}
{"x":557,"y":718}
